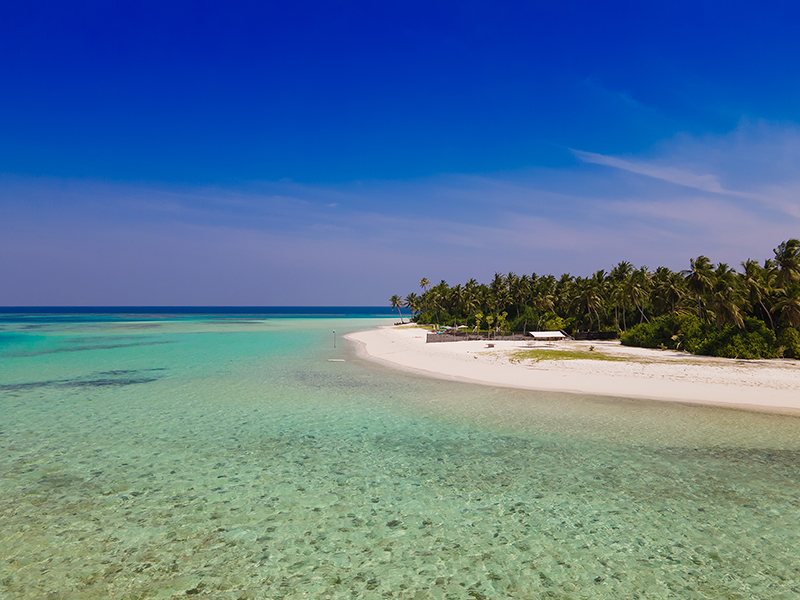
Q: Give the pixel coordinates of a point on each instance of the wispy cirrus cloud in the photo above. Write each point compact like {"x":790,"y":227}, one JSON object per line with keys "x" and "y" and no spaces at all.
{"x":705,"y":183}
{"x":758,"y":161}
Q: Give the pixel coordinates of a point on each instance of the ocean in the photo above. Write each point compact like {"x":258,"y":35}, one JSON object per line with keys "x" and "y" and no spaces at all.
{"x":220,"y":453}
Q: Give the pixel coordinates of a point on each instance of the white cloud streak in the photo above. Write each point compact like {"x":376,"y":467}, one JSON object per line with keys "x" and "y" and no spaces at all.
{"x":705,"y":183}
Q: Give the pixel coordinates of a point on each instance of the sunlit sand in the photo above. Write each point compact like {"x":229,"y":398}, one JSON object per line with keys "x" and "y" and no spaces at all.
{"x":602,"y":368}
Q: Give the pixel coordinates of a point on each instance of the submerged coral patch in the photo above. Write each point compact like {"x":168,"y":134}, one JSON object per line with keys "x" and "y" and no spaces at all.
{"x":108,"y":379}
{"x":29,"y":353}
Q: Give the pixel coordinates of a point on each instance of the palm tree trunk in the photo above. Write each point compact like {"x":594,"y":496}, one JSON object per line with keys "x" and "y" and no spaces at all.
{"x":769,"y":314}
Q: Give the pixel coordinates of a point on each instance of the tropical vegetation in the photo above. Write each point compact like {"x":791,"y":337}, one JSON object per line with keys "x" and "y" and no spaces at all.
{"x":712,"y":309}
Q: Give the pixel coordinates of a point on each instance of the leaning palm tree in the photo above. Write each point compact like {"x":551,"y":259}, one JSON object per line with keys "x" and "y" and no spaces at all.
{"x":411,"y":302}
{"x":396,"y":303}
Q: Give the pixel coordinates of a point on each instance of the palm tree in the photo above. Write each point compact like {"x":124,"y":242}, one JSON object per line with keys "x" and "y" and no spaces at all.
{"x":601,"y":285}
{"x":424,"y":285}
{"x":457,"y":295}
{"x":727,"y":297}
{"x":412,"y":303}
{"x":619,"y":277}
{"x":543,"y":297}
{"x":498,"y":290}
{"x":471,"y":297}
{"x":396,"y":303}
{"x":590,"y":297}
{"x":788,"y":304}
{"x":439,"y":296}
{"x":636,"y":288}
{"x":668,"y":290}
{"x":770,"y":293}
{"x":757,"y":283}
{"x":516,"y":292}
{"x":787,"y":257}
{"x":563,"y":294}
{"x":699,"y":278}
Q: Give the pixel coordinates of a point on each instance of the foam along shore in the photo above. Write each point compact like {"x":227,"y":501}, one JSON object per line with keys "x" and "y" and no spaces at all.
{"x":609,"y":369}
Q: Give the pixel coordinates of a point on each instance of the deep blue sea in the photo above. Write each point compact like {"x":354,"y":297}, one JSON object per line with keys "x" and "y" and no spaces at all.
{"x":220,"y":453}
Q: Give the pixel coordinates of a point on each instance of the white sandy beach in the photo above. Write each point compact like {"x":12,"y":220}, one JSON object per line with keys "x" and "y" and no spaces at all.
{"x":769,"y":385}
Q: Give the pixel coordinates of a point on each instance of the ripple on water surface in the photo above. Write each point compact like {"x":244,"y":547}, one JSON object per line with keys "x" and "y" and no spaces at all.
{"x":236,"y":462}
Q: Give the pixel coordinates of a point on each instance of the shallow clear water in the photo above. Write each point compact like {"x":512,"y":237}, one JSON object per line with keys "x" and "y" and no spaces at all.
{"x":228,"y":458}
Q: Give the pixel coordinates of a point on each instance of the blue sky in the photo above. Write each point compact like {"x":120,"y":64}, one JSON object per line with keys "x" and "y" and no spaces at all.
{"x":336,"y":152}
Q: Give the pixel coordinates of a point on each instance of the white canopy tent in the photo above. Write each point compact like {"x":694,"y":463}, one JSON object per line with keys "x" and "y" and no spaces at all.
{"x":548,"y":336}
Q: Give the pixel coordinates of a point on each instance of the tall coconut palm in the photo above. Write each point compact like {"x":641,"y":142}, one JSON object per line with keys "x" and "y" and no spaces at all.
{"x":636,"y":288}
{"x":439,"y":297}
{"x":699,"y":278}
{"x":619,"y":277}
{"x":543,"y":300}
{"x":502,"y":300}
{"x":727,"y":297}
{"x":590,"y":298}
{"x":471,"y":298}
{"x":411,"y":302}
{"x":564,"y":293}
{"x":470,"y":304}
{"x":425,"y":285}
{"x":787,"y":257}
{"x":498,"y":290}
{"x":396,"y":303}
{"x":601,"y":285}
{"x":758,"y":287}
{"x":788,"y":304}
{"x":457,"y":295}
{"x":515,"y":291}
{"x":668,"y":290}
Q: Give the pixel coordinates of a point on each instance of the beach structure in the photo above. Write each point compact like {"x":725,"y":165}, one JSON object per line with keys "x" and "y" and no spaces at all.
{"x":548,"y":337}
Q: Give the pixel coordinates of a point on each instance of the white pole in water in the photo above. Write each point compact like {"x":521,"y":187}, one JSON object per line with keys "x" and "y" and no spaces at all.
{"x":334,"y":338}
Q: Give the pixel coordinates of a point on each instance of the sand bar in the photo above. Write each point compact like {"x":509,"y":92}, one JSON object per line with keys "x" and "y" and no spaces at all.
{"x":769,"y":385}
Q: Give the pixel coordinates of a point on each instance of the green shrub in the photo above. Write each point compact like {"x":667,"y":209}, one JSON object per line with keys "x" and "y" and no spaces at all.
{"x":695,"y":336}
{"x":754,"y":341}
{"x":687,"y":332}
{"x":554,"y":323}
{"x":661,"y":332}
{"x":789,"y":343}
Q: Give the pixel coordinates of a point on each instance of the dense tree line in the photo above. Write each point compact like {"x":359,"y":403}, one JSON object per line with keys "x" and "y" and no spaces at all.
{"x":692,"y":309}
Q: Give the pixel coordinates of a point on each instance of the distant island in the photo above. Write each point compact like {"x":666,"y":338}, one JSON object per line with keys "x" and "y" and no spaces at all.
{"x":706,"y":309}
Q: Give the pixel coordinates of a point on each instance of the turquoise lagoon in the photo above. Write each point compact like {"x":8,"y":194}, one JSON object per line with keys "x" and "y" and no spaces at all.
{"x":224,"y":456}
